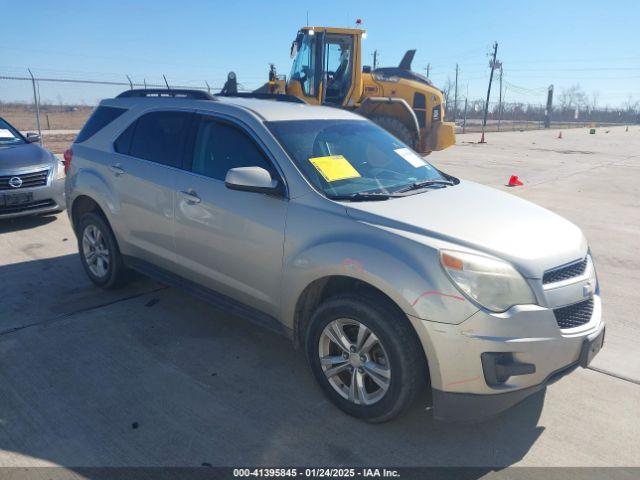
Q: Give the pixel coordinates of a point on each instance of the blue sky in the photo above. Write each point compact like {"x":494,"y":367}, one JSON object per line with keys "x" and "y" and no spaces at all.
{"x":593,"y":43}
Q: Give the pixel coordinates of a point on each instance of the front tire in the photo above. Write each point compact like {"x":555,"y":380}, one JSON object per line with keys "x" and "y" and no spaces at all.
{"x":396,"y":128}
{"x":99,"y":252}
{"x":365,"y":356}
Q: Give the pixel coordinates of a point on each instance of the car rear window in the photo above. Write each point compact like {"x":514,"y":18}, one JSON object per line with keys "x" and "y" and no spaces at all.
{"x":101,"y":117}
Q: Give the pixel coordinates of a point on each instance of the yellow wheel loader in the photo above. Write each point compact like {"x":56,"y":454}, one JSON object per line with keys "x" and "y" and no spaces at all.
{"x":327,"y":70}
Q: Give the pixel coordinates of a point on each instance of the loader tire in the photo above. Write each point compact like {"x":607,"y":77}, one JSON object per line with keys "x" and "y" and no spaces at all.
{"x":396,"y":128}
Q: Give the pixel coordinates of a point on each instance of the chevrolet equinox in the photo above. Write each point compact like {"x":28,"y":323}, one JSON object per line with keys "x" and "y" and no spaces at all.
{"x":392,"y":275}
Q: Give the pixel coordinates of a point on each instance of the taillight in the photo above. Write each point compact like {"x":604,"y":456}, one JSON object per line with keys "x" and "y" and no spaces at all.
{"x":68,"y":156}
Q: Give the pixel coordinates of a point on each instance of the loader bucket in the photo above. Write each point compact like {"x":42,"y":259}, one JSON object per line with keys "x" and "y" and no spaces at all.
{"x":441,"y":136}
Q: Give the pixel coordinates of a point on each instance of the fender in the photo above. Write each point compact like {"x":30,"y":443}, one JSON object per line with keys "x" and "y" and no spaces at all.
{"x":391,"y":107}
{"x":87,"y":182}
{"x":402,"y":280}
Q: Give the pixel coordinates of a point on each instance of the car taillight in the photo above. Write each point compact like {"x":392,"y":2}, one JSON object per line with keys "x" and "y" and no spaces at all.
{"x":68,"y":156}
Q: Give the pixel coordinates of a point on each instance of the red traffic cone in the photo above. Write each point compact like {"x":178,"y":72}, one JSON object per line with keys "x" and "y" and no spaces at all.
{"x":560,"y":134}
{"x":514,"y":181}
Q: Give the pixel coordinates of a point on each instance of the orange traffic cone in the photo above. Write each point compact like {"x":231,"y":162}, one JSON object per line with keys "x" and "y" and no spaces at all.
{"x":514,"y":181}
{"x":560,"y":134}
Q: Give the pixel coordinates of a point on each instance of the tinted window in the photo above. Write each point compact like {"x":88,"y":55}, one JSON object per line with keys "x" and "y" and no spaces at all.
{"x":219,"y":147}
{"x":158,"y":137}
{"x":419,"y":106}
{"x":100,"y":118}
{"x":123,"y":143}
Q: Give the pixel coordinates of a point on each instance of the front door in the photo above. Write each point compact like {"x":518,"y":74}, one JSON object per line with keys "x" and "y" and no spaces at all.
{"x":338,"y":66}
{"x":230,"y":241}
{"x":307,"y":71}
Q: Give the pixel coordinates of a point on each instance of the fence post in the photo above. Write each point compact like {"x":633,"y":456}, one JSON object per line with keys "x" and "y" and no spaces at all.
{"x":464,"y":121}
{"x":37,"y":104}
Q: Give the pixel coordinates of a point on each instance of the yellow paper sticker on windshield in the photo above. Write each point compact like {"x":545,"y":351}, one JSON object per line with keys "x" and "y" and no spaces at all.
{"x":334,"y":168}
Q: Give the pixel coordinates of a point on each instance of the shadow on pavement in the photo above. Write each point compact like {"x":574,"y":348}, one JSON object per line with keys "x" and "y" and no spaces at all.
{"x":24,"y":223}
{"x":163,"y":379}
{"x":44,"y":289}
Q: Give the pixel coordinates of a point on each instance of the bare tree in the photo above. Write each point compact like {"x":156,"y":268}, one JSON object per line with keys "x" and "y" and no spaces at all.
{"x":595,"y":96}
{"x":572,"y":97}
{"x":446,"y":90}
{"x":630,"y":106}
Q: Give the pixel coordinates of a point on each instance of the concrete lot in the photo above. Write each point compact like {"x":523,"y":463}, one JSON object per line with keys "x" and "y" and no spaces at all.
{"x":78,"y":366}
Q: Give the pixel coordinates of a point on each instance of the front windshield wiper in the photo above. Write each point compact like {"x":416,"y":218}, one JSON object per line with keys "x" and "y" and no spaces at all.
{"x":362,"y":197}
{"x":424,"y":184}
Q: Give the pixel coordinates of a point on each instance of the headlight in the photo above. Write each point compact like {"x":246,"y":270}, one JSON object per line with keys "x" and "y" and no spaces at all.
{"x":492,"y":283}
{"x":58,"y":168}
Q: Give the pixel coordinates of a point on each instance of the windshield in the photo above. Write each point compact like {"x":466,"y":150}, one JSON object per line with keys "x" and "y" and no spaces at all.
{"x":303,"y":68}
{"x":9,"y":135}
{"x":348,"y":157}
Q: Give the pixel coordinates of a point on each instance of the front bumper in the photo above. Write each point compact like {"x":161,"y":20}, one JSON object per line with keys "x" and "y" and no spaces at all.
{"x":528,"y":334}
{"x":46,"y":199}
{"x":442,"y":135}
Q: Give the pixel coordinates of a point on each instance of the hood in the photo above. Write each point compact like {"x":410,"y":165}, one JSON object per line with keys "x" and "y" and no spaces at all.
{"x":23,"y":156}
{"x":532,"y":238}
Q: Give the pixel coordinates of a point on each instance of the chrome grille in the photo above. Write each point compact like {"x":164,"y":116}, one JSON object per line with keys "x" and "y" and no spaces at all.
{"x":31,"y":179}
{"x":565,"y":273}
{"x":574,"y":315}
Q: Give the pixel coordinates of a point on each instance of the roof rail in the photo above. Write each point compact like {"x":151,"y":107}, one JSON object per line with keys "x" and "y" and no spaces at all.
{"x":278,"y":97}
{"x":163,"y":92}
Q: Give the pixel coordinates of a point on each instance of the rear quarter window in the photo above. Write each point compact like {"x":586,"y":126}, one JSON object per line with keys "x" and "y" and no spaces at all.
{"x":123,"y":143}
{"x":100,"y":118}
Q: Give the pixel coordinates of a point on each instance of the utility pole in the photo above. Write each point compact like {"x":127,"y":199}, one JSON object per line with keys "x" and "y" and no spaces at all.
{"x":455,"y":97}
{"x":500,"y":101}
{"x":486,"y":104}
{"x":547,"y":113}
{"x":375,"y":59}
{"x":428,"y":69}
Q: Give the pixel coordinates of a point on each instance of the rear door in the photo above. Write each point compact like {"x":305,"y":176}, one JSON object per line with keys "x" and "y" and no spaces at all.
{"x":150,"y":153}
{"x":230,"y":241}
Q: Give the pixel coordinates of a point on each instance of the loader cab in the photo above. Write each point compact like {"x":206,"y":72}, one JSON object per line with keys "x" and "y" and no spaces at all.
{"x":326,"y":69}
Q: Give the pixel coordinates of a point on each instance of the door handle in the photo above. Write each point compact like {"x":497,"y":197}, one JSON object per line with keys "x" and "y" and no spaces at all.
{"x":190,"y":197}
{"x":117,"y":169}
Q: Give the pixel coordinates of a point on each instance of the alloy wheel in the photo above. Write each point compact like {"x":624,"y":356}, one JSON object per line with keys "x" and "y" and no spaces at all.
{"x":354,"y":361}
{"x":95,"y":251}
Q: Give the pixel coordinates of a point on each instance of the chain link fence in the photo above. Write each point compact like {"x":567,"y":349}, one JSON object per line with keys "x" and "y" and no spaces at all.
{"x":58,"y":107}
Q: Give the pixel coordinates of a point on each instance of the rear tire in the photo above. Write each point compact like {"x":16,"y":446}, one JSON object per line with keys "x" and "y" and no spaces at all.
{"x":396,"y":128}
{"x":99,"y":252}
{"x":375,"y":383}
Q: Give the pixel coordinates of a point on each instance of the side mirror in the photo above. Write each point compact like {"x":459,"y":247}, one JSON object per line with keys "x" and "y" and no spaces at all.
{"x":252,"y":179}
{"x":33,"y":137}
